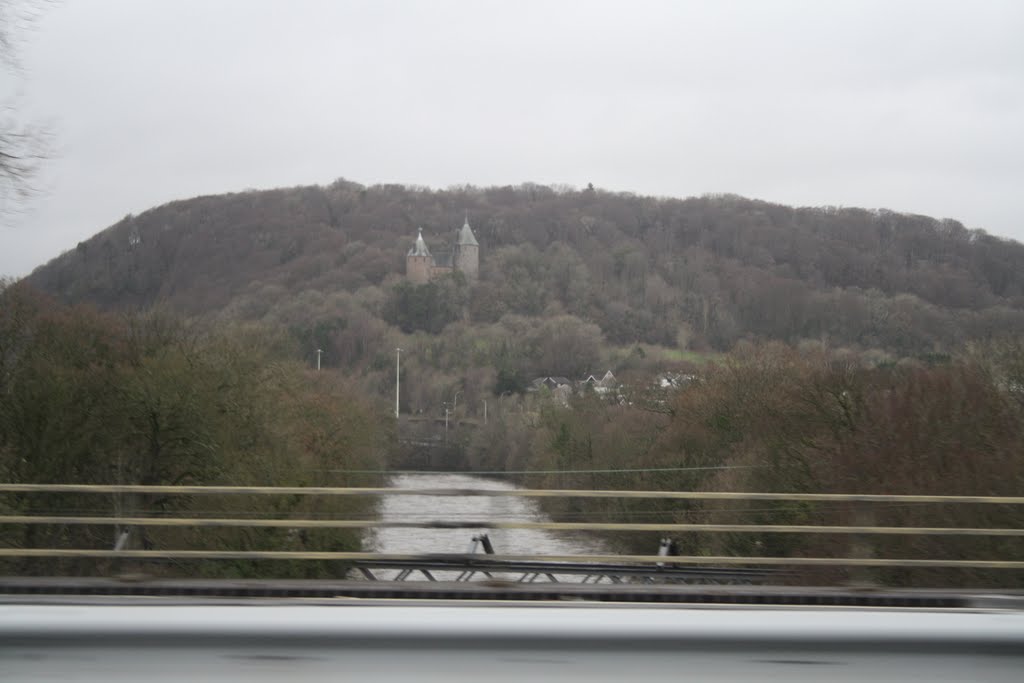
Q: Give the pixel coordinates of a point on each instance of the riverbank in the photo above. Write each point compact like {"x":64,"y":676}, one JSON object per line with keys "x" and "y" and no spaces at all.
{"x":465,"y":509}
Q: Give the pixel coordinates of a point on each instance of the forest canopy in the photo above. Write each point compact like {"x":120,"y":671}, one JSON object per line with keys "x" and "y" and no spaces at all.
{"x":701,"y":273}
{"x":96,"y":398}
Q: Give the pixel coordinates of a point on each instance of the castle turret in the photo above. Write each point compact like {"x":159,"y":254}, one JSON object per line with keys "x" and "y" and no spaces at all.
{"x":466,"y":257}
{"x":419,"y":262}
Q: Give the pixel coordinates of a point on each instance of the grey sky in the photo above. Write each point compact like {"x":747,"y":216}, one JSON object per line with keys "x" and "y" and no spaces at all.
{"x":911,"y":106}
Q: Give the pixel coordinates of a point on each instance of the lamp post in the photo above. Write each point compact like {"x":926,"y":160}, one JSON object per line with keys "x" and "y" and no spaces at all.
{"x":398,"y":378}
{"x":446,"y":424}
{"x":318,"y":352}
{"x":456,"y":406}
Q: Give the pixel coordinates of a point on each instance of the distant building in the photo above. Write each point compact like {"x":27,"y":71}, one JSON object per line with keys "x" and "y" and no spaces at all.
{"x":421,"y":266}
{"x":562,"y":387}
{"x":674,"y":380}
{"x":551,"y":383}
{"x":600,"y":386}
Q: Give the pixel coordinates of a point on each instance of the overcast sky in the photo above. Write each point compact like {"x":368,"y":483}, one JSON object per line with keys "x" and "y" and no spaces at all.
{"x":913,"y":106}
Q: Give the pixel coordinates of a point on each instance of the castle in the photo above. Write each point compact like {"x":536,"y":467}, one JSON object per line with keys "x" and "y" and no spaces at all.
{"x":421,"y":267}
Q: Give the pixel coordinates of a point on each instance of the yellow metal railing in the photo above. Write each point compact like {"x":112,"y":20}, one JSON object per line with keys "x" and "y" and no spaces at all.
{"x":289,"y":523}
{"x":222,"y":522}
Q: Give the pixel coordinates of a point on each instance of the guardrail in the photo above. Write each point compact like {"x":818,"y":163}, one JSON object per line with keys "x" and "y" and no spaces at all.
{"x":858,"y":559}
{"x":569,"y":641}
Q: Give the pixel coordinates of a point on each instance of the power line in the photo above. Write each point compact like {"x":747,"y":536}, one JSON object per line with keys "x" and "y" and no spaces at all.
{"x":333,"y":491}
{"x":638,"y":470}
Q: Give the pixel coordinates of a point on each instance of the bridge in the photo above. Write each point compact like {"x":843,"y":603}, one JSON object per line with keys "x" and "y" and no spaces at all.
{"x":594,"y":616}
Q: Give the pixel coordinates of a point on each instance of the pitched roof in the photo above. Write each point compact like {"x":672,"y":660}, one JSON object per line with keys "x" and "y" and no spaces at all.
{"x":552,"y":382}
{"x":420,"y":247}
{"x":466,"y":237}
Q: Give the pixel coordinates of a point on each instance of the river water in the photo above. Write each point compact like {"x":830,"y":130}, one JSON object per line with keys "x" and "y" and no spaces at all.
{"x":410,"y":508}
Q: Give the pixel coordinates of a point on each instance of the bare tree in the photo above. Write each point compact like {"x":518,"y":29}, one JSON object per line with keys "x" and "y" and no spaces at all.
{"x":23,"y":145}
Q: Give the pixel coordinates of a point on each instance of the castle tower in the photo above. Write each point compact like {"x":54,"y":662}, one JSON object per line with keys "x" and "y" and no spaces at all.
{"x":419,"y":262}
{"x":466,"y":257}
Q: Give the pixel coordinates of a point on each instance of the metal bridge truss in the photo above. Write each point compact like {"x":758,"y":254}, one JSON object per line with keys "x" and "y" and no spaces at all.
{"x":463,"y":570}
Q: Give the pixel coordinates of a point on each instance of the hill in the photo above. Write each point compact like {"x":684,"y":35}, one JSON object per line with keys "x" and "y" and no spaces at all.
{"x":700,"y":273}
{"x":570,"y":283}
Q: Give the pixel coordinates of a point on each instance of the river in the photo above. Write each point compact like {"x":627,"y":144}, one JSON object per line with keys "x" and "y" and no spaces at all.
{"x":409,"y":508}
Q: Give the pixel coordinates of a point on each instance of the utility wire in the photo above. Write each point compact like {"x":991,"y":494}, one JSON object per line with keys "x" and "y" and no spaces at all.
{"x":638,"y":470}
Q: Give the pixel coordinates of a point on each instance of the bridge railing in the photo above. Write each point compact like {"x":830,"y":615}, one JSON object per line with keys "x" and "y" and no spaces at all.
{"x":854,"y":559}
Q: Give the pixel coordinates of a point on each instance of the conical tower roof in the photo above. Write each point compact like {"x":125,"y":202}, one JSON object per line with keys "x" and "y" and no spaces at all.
{"x":466,"y":237}
{"x":420,"y":247}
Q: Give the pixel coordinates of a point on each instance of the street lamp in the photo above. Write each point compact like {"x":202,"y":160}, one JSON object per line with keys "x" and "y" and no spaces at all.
{"x":398,"y":378}
{"x":501,"y":403}
{"x":456,"y":406}
{"x":446,"y":424}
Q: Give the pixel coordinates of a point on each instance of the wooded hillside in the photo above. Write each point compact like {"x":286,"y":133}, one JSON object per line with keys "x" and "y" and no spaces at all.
{"x":571,"y":283}
{"x":700,"y":273}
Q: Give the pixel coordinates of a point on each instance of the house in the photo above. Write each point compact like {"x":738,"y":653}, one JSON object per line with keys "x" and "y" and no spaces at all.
{"x":600,"y":386}
{"x":551,"y":383}
{"x":674,"y":380}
